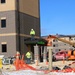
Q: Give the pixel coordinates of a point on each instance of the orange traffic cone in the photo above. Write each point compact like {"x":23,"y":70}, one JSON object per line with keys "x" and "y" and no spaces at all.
{"x":63,"y":60}
{"x":16,"y":64}
{"x":17,"y":61}
{"x":36,"y":62}
{"x":17,"y":55}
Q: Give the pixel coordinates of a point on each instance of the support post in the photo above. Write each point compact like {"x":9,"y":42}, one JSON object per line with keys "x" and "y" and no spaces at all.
{"x":44,"y":54}
{"x":50,"y":57}
{"x":36,"y":54}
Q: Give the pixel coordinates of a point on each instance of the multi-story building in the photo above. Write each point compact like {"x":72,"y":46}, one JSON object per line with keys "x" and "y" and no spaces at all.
{"x":17,"y":18}
{"x":59,"y":45}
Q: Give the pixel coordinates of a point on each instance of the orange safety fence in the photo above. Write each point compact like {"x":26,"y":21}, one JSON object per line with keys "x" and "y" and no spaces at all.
{"x":21,"y":65}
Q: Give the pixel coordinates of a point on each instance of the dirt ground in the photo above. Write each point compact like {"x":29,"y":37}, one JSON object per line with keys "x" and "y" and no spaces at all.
{"x":59,"y":64}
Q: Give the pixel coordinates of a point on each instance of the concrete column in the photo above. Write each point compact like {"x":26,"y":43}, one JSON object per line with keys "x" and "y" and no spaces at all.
{"x":41,"y":51}
{"x":36,"y":53}
{"x":50,"y":57}
{"x":44,"y":54}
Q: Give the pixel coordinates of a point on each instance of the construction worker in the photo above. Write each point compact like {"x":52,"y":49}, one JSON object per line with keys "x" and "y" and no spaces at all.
{"x":28,"y":57}
{"x":32,"y":33}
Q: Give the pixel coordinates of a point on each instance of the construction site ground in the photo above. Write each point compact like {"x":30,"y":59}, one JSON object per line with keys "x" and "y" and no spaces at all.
{"x":59,"y":64}
{"x":40,"y":65}
{"x":10,"y":69}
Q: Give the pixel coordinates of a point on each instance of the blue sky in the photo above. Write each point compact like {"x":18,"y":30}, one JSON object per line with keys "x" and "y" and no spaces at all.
{"x":57,"y":16}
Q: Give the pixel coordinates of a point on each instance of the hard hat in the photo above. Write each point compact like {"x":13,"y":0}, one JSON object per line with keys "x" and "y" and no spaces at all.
{"x":31,"y":29}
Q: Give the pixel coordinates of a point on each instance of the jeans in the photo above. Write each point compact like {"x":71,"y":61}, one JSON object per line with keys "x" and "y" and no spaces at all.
{"x":28,"y":60}
{"x":32,"y":37}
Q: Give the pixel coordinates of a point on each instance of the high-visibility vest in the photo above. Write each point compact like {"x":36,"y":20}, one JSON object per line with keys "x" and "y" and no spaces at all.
{"x":28,"y":55}
{"x":32,"y":32}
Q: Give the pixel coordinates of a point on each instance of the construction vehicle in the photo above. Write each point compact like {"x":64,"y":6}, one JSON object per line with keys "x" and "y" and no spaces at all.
{"x":70,"y":53}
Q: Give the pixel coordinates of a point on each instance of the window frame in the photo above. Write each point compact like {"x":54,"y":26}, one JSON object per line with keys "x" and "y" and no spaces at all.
{"x":4,"y":49}
{"x":3,"y":26}
{"x":2,"y":1}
